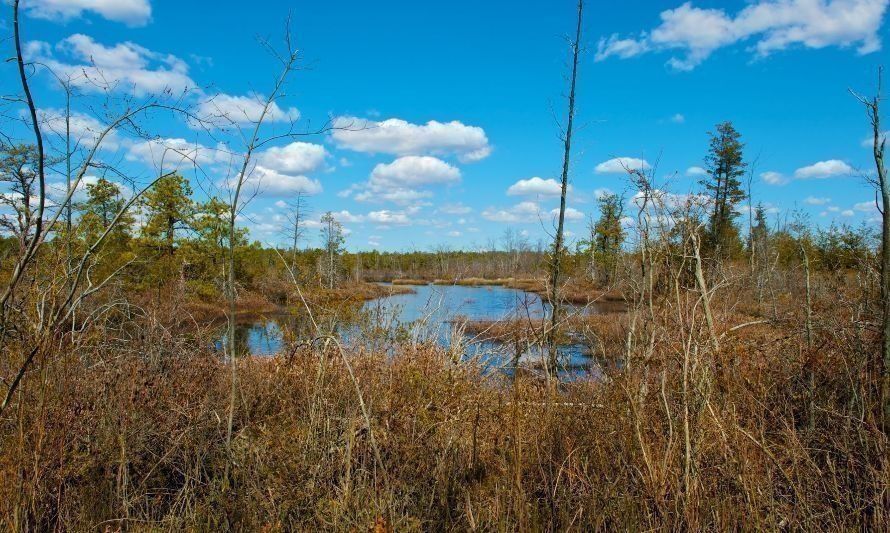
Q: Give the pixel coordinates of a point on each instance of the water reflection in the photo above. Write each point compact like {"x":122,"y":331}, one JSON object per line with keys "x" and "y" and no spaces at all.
{"x":434,"y":313}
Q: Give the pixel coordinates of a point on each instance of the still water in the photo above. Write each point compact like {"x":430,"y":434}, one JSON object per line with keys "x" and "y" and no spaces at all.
{"x":435,"y":313}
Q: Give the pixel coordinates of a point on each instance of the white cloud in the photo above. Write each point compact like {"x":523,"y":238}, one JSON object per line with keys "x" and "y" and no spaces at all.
{"x":273,"y":183}
{"x":130,"y":12}
{"x":170,"y":154}
{"x":399,"y":137}
{"x":386,"y":218}
{"x":572,"y":214}
{"x":521,"y":212}
{"x":85,"y":130}
{"x":294,"y":158}
{"x":620,"y":165}
{"x":58,"y":190}
{"x":869,"y":141}
{"x":455,"y":209}
{"x":824,"y":169}
{"x":772,"y":25}
{"x":696,"y":171}
{"x":813,"y":200}
{"x":400,"y":181}
{"x":601,"y":192}
{"x":866,"y":207}
{"x":773,"y":178}
{"x":347,"y":217}
{"x":535,"y":187}
{"x":847,"y":213}
{"x":125,"y":66}
{"x":413,"y":170}
{"x":678,"y":118}
{"x":454,"y":233}
{"x":224,"y":109}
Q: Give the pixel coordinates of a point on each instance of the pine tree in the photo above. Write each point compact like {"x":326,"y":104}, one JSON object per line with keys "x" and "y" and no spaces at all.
{"x":760,"y":231}
{"x":103,"y":204}
{"x":725,"y":166}
{"x":608,"y":235}
{"x":168,"y":208}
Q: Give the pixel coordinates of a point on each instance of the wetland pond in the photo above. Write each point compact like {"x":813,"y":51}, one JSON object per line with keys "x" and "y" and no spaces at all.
{"x":436,"y":313}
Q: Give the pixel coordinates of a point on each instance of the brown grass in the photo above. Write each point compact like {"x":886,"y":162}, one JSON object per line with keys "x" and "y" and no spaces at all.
{"x":403,"y":281}
{"x":131,"y":434}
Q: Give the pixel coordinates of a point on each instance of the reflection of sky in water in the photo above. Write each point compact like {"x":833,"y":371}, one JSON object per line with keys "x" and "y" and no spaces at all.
{"x":438,"y":304}
{"x":263,"y":337}
{"x":430,"y":311}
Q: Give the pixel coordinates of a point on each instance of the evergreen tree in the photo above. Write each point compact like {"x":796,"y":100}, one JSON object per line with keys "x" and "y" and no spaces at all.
{"x":725,"y":166}
{"x":206,"y":252}
{"x":103,"y":203}
{"x":760,"y":231}
{"x":168,"y":209}
{"x":608,"y":235}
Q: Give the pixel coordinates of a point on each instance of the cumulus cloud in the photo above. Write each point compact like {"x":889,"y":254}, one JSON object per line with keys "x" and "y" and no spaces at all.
{"x":401,"y":181}
{"x":620,"y":165}
{"x":696,"y":171}
{"x":294,"y":158}
{"x":57,"y":190}
{"x":770,"y":25}
{"x":521,"y":212}
{"x":535,"y":187}
{"x":412,"y":171}
{"x":866,"y":207}
{"x":572,"y":214}
{"x":347,"y":217}
{"x":85,"y":130}
{"x":95,"y":67}
{"x":170,"y":154}
{"x":130,"y":12}
{"x":678,"y":118}
{"x":773,"y":178}
{"x":399,"y":137}
{"x":266,"y":181}
{"x":386,"y":218}
{"x":455,"y":209}
{"x":824,"y":169}
{"x":224,"y":109}
{"x":814,"y":200}
{"x":869,"y":141}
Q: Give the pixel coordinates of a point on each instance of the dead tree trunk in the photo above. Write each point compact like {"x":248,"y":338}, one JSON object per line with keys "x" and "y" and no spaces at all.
{"x":882,"y":361}
{"x":555,"y":270}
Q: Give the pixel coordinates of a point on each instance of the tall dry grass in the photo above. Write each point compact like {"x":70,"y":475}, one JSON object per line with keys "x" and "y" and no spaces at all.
{"x":129,"y":432}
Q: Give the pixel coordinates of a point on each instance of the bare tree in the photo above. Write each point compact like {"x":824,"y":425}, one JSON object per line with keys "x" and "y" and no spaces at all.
{"x":332,"y":239}
{"x":295,"y":213}
{"x":882,"y":362}
{"x":556,"y":265}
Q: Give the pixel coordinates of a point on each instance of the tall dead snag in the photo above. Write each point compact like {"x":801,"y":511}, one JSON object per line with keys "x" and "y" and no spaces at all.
{"x":882,"y":361}
{"x":558,"y":241}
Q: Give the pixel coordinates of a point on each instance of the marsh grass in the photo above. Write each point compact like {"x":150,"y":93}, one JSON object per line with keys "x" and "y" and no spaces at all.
{"x":130,"y":433}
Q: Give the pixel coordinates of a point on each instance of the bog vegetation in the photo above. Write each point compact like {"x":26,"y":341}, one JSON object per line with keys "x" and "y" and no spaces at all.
{"x":741,"y":384}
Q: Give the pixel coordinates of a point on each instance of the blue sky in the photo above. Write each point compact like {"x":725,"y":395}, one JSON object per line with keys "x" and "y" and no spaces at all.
{"x":459,"y":100}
